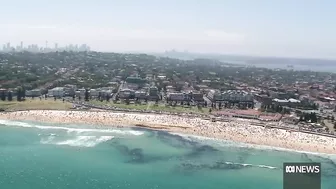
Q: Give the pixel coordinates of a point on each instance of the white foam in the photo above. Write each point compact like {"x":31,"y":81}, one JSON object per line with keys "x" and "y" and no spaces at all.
{"x":71,"y":129}
{"x":266,"y":166}
{"x":80,"y":141}
{"x":48,"y":140}
{"x":251,"y":165}
{"x":15,"y":123}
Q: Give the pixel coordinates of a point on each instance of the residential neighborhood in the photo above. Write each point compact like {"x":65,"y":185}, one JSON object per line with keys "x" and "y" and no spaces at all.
{"x":201,"y":86}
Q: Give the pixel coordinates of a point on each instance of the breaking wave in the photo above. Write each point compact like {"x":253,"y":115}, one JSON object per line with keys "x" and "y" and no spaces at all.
{"x":251,"y":165}
{"x":79,"y":141}
{"x":70,"y":129}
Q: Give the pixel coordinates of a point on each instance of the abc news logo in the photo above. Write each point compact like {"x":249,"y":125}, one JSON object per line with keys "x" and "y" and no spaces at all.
{"x":303,"y":169}
{"x":302,"y":175}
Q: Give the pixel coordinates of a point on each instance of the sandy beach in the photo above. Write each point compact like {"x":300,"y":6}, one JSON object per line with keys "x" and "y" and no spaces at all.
{"x":238,"y":130}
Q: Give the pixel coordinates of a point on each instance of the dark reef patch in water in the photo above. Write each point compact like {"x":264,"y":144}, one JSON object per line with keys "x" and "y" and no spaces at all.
{"x":136,"y":155}
{"x":244,"y":155}
{"x":219,"y":165}
{"x":329,"y":170}
{"x":174,"y":140}
{"x":305,"y":157}
{"x":200,"y":150}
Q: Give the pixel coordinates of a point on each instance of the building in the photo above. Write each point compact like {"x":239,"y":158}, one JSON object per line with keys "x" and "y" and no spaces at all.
{"x":202,"y":88}
{"x":196,"y":96}
{"x":247,"y":114}
{"x":270,"y":117}
{"x":33,"y":93}
{"x":149,"y":77}
{"x":285,"y":102}
{"x":214,"y":95}
{"x":290,"y":119}
{"x":237,"y":96}
{"x":153,"y":91}
{"x":170,"y":88}
{"x":70,"y":90}
{"x":126,"y":94}
{"x":132,"y":86}
{"x":176,"y":96}
{"x":232,"y":96}
{"x":105,"y":92}
{"x":113,"y":84}
{"x":280,"y":95}
{"x":161,"y":77}
{"x":80,"y":93}
{"x":263,"y":99}
{"x":56,"y":92}
{"x":135,"y":80}
{"x":94,"y":93}
{"x":3,"y":91}
{"x":141,"y":95}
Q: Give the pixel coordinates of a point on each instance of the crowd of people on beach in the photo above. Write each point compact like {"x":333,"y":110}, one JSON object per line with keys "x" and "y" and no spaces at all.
{"x":240,"y":130}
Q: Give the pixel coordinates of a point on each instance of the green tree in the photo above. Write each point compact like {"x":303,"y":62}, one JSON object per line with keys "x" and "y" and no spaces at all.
{"x":10,"y":96}
{"x":127,"y":101}
{"x":3,"y":96}
{"x":86,"y":95}
{"x":99,"y":96}
{"x":23,"y":95}
{"x":313,"y":117}
{"x":306,"y":117}
{"x":19,"y":94}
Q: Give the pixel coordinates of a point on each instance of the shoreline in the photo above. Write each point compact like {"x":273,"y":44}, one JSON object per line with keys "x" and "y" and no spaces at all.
{"x":238,"y":130}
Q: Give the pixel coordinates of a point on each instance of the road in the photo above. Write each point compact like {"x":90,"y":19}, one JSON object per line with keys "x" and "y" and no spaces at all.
{"x":119,"y":88}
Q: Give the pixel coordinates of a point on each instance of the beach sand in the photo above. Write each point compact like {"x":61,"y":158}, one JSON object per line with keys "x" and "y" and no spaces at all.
{"x":238,"y":130}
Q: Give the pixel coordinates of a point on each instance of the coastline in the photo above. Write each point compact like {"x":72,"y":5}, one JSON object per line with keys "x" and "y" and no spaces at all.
{"x":238,"y":130}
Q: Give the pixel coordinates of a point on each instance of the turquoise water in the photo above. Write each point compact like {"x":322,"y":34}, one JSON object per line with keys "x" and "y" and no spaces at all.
{"x":40,"y":155}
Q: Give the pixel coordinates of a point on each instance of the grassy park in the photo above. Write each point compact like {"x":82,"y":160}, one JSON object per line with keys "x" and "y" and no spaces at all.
{"x":51,"y":104}
{"x":35,"y":104}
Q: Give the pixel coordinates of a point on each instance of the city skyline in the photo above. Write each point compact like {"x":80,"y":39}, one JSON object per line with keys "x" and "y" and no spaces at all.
{"x":8,"y":47}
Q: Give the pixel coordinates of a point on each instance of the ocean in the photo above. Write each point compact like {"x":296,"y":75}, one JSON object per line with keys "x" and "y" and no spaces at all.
{"x":40,"y":155}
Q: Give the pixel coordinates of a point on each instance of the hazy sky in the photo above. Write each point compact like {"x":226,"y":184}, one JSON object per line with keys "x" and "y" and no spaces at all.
{"x":303,"y":28}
